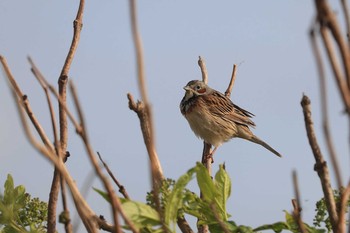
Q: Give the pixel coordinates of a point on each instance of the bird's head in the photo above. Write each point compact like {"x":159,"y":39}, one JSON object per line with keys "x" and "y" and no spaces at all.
{"x":196,"y":88}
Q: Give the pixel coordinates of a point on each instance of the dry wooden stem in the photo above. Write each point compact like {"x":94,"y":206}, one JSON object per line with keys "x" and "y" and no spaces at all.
{"x":344,"y":200}
{"x":339,"y":77}
{"x":148,"y":134}
{"x":90,"y":220}
{"x":327,"y":17}
{"x":48,"y":150}
{"x":121,"y":187}
{"x":203,"y":68}
{"x":297,"y":204}
{"x":321,"y":165}
{"x":45,"y":83}
{"x":346,"y":12}
{"x":324,"y":107}
{"x":207,"y":158}
{"x":183,"y":225}
{"x":115,"y":202}
{"x":139,"y":109}
{"x":232,"y":81}
{"x":57,"y":178}
{"x":63,"y":79}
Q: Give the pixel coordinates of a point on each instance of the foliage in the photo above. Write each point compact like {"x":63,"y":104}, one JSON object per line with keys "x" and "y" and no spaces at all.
{"x":321,"y":217}
{"x":19,"y":212}
{"x":290,"y":225}
{"x":176,"y":201}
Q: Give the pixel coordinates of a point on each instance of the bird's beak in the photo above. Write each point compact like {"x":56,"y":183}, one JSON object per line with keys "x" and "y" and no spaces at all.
{"x":187,"y":88}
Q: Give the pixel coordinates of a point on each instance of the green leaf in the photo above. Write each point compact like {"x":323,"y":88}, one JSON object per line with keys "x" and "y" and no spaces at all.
{"x":276,"y":227}
{"x":140,"y":214}
{"x":8,"y":192}
{"x":223,"y":190}
{"x":216,"y":228}
{"x":205,"y":183}
{"x":18,"y":212}
{"x":175,"y":199}
{"x":103,"y":194}
{"x":293,"y":226}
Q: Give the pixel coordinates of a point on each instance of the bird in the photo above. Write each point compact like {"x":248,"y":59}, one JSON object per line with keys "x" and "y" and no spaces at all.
{"x":214,"y":118}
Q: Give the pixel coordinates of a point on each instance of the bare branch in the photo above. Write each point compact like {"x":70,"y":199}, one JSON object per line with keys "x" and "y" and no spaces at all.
{"x":26,"y":105}
{"x":156,"y":170}
{"x":232,"y":81}
{"x":121,"y":187}
{"x":57,"y":178}
{"x":139,"y":52}
{"x":346,"y":12}
{"x":321,"y":165}
{"x":83,"y":209}
{"x":115,"y":202}
{"x":139,"y":109}
{"x":326,"y":17}
{"x":207,"y":158}
{"x":46,"y":84}
{"x":63,"y":79}
{"x":147,"y":119}
{"x":342,"y":86}
{"x":184,"y":226}
{"x":204,"y":71}
{"x":297,"y":204}
{"x":324,"y":106}
{"x":344,"y":200}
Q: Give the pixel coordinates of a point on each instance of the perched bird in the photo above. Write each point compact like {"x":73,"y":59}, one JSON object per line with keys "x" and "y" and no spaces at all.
{"x":214,"y":118}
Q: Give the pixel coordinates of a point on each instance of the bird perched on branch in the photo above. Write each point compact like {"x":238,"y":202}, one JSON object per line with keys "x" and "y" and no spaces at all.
{"x":214,"y":118}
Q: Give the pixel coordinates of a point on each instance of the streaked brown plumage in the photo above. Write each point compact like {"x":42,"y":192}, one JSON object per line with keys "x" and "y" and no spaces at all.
{"x":214,"y":118}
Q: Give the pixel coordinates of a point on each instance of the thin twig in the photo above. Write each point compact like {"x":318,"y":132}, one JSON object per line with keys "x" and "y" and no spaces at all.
{"x":67,"y":222}
{"x":297,"y":204}
{"x":83,"y":209}
{"x":207,"y":158}
{"x":324,"y":107}
{"x":140,"y":64}
{"x":321,"y":165}
{"x":57,"y":180}
{"x":140,"y":109}
{"x":203,"y":68}
{"x":183,"y":225}
{"x":63,"y":79}
{"x":115,"y":201}
{"x":344,"y":203}
{"x":121,"y":187}
{"x":26,"y":105}
{"x":326,"y":16}
{"x":232,"y":81}
{"x":156,"y":172}
{"x":45,"y":83}
{"x":342,"y":86}
{"x":346,"y":12}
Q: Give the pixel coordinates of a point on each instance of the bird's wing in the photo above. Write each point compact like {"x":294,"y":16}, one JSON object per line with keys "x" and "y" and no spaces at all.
{"x":221,"y":106}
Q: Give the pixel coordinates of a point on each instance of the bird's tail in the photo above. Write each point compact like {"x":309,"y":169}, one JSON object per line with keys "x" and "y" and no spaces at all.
{"x":257,"y":140}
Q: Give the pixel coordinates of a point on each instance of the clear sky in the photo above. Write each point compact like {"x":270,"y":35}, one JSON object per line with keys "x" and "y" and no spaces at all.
{"x":268,"y":40}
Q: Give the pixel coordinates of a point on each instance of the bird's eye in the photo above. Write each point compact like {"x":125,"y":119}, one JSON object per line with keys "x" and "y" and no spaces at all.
{"x":198,"y":87}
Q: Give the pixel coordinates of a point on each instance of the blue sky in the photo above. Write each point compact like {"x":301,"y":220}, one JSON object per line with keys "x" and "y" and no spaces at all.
{"x":268,"y":40}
